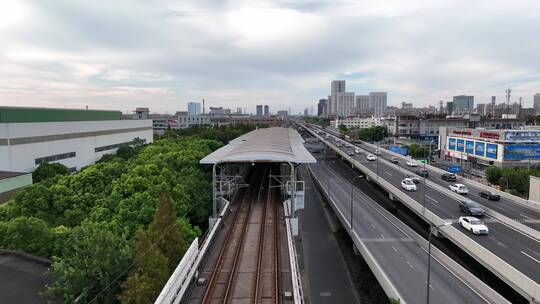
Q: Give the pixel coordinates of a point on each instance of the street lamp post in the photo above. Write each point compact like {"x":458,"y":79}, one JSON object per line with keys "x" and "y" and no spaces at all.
{"x":352,"y":197}
{"x":429,"y":257}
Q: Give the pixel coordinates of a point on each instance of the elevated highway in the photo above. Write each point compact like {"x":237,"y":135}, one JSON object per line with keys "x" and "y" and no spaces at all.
{"x":394,"y":252}
{"x":509,"y":251}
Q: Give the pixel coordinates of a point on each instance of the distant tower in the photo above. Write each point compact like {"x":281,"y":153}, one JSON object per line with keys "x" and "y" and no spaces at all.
{"x":493,"y":102}
{"x":519,"y":109}
{"x":440,"y":106}
{"x":508,"y":95}
{"x":203,"y":107}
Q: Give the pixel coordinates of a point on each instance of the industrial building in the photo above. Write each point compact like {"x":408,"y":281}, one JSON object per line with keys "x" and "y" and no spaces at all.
{"x":75,"y":138}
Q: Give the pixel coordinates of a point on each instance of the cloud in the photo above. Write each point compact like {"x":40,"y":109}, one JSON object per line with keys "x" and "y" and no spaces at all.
{"x":163,"y":54}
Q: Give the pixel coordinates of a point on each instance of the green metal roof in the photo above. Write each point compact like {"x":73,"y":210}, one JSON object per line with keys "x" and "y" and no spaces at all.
{"x":17,"y":114}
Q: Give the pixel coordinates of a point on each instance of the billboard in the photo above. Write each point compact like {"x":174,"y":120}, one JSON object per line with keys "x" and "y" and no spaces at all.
{"x":469,"y":147}
{"x":480,"y":148}
{"x":451,"y":143}
{"x":522,"y":135}
{"x":460,"y":143}
{"x":521,"y":152}
{"x":491,"y":150}
{"x":453,"y":168}
{"x":400,"y":150}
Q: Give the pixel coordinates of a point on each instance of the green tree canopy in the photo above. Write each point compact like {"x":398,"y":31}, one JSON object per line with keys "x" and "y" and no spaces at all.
{"x":48,"y":170}
{"x":165,"y":232}
{"x":148,"y":276}
{"x":93,"y":258}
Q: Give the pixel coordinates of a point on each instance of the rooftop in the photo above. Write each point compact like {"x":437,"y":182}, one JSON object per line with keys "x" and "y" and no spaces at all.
{"x":28,"y":114}
{"x":263,"y":145}
{"x":8,"y":174}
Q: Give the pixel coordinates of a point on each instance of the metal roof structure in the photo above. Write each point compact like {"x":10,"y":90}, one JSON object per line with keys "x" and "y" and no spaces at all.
{"x":263,"y":145}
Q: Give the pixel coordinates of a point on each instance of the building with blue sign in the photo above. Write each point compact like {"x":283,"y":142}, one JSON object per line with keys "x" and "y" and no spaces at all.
{"x":485,"y":147}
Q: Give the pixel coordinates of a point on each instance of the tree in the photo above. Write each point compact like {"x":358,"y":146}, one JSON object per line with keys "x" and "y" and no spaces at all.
{"x":376,"y":133}
{"x":27,"y":234}
{"x":343,"y":129}
{"x":418,"y":151}
{"x":164,"y":231}
{"x":149,"y":274}
{"x":93,"y":258}
{"x":493,"y":174}
{"x":48,"y":170}
{"x":125,"y":152}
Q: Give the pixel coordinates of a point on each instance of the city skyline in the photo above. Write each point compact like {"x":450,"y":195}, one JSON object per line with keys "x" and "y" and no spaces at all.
{"x":164,"y":56}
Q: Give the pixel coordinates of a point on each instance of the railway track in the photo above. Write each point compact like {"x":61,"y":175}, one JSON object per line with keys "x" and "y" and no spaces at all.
{"x":247,"y":268}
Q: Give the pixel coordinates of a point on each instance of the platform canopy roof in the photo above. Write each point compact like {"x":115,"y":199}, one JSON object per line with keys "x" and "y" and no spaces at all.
{"x":263,"y":145}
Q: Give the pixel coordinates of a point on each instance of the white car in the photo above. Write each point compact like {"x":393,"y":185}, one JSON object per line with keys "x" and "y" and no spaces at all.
{"x":412,"y":163}
{"x":377,"y":152}
{"x":357,"y":151}
{"x":371,"y":157}
{"x":459,"y":188}
{"x":473,"y":225}
{"x":408,"y":184}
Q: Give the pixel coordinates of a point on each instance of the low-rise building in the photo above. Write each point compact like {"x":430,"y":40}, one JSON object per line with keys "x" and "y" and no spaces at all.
{"x":427,"y":129}
{"x":74,"y":138}
{"x":11,"y":183}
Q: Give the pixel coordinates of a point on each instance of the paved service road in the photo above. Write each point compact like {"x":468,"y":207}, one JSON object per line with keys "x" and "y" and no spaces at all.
{"x":514,"y":247}
{"x":21,"y":280}
{"x":402,"y":259}
{"x":326,"y":276}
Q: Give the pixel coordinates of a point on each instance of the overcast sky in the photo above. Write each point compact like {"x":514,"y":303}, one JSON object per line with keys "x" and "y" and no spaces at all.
{"x":163,"y":54}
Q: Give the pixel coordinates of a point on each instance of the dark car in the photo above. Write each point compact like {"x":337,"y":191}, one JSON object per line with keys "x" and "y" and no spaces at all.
{"x":489,"y":195}
{"x":451,"y":177}
{"x":471,"y":208}
{"x":423,"y":172}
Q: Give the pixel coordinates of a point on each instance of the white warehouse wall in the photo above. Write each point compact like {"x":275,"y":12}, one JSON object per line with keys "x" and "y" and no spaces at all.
{"x":20,"y":157}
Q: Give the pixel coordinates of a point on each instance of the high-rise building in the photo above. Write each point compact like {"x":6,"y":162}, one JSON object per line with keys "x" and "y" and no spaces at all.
{"x":306,"y":111}
{"x":537,"y":103}
{"x":450,"y":107}
{"x":194,"y":108}
{"x":266,"y":110}
{"x":321,"y":107}
{"x":259,"y":110}
{"x":481,"y":109}
{"x":238,"y":110}
{"x":463,"y":104}
{"x":362,"y":103}
{"x":338,"y":86}
{"x":377,"y":101}
{"x":345,"y":103}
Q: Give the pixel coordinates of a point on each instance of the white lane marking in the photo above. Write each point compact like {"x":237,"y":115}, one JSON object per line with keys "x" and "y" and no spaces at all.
{"x":431,"y":198}
{"x":388,"y":173}
{"x":410,"y":265}
{"x":526,"y":216}
{"x":395,"y":249}
{"x":382,"y":236}
{"x":528,"y":255}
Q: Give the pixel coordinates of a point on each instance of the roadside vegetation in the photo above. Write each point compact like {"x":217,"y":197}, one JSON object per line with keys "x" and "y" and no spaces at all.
{"x":371,"y":134}
{"x":321,"y":121}
{"x":116,"y":230}
{"x":512,"y":180}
